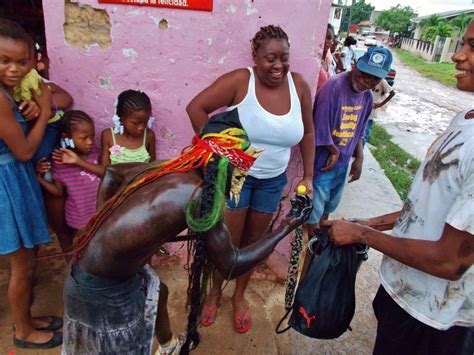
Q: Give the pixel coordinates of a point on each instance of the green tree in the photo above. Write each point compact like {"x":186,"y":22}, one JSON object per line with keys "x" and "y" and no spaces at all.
{"x":360,"y":11}
{"x":461,"y":21}
{"x":442,"y":29}
{"x":396,"y":19}
{"x":431,"y":21}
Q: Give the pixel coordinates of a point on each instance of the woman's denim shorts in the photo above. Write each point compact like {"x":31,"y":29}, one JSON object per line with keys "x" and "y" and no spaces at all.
{"x":261,"y":195}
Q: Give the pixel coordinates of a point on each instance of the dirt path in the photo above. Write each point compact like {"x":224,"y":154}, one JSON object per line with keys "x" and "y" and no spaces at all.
{"x":421,"y":109}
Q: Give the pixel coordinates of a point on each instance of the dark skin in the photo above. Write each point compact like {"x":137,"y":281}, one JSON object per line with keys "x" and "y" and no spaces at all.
{"x":154,"y":215}
{"x":134,"y":124}
{"x":359,"y":82}
{"x":272,"y":64}
{"x":451,"y":255}
{"x":448,"y":258}
{"x":14,"y":65}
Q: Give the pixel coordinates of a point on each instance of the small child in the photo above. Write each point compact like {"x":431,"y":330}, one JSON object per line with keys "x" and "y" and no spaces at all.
{"x":382,"y":94}
{"x":61,"y":100}
{"x":130,"y":140}
{"x":75,"y":169}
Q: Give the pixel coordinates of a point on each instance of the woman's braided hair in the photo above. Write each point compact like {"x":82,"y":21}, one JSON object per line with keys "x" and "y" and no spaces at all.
{"x":268,"y":32}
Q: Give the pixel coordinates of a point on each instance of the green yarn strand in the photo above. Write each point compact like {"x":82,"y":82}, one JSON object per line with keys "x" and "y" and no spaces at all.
{"x":202,"y":221}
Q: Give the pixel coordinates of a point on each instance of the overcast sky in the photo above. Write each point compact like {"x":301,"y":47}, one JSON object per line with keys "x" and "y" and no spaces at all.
{"x":424,"y":7}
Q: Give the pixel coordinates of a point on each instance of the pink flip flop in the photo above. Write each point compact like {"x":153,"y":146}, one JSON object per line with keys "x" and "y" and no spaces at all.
{"x":242,"y":322}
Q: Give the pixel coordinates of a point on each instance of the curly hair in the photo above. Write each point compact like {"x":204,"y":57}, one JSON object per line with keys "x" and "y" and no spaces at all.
{"x":268,"y":32}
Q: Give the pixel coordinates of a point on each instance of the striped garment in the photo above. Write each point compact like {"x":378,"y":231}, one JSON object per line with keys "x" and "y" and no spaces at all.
{"x":81,"y":187}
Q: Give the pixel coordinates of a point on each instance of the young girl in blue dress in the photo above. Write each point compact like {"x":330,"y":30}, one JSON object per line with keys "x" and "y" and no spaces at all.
{"x":22,"y":215}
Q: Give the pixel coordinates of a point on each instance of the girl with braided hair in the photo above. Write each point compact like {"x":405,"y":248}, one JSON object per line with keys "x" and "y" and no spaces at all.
{"x":131,"y":139}
{"x":275,"y":109}
{"x":114,"y":302}
{"x":76,"y":172}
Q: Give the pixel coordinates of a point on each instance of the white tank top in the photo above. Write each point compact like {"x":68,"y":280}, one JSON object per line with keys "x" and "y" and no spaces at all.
{"x":276,"y":134}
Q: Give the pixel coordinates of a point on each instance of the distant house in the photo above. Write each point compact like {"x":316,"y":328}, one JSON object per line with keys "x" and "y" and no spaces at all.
{"x":448,"y":15}
{"x":442,"y":48}
{"x":335,"y":17}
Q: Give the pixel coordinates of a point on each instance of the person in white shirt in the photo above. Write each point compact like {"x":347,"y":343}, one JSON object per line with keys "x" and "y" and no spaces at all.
{"x":382,"y":94}
{"x":347,"y":54}
{"x":425,"y":304}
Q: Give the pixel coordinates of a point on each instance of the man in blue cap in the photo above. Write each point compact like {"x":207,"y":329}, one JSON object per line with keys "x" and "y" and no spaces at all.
{"x":341,"y":111}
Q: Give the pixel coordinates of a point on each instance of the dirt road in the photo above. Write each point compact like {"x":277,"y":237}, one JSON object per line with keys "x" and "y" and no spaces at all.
{"x":421,"y":109}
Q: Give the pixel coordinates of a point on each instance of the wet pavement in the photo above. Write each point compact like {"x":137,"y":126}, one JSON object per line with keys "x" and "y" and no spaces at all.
{"x":421,"y":109}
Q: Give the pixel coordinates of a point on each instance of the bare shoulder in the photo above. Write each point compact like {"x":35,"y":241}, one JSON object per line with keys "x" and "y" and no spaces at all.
{"x":106,"y":136}
{"x":4,"y":102}
{"x":6,"y":110}
{"x":150,"y":134}
{"x":300,"y":84}
{"x":236,"y":77}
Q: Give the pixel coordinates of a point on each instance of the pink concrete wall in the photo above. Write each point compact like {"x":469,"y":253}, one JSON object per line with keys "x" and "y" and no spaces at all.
{"x":173,"y":65}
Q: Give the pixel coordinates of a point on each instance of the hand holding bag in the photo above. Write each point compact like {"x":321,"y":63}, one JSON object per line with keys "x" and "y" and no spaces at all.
{"x":325,"y":300}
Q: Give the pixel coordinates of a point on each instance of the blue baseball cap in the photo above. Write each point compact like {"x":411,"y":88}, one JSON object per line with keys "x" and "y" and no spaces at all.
{"x":376,"y":61}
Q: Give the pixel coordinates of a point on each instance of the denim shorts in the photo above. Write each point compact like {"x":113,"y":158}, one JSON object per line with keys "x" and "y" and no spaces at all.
{"x":261,"y":195}
{"x":327,"y":192}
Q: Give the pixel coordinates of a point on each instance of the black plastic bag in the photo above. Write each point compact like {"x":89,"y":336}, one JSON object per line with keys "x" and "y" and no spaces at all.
{"x":325,"y":299}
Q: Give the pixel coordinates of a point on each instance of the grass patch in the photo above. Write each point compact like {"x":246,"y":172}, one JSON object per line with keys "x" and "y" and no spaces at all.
{"x":398,"y":165}
{"x":442,"y":72}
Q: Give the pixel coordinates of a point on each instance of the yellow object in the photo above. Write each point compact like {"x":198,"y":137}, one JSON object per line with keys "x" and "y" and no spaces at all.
{"x":31,"y":80}
{"x":58,"y":115}
{"x":301,"y":189}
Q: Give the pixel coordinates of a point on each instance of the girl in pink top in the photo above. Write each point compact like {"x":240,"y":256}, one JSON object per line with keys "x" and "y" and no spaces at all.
{"x":76,"y":169}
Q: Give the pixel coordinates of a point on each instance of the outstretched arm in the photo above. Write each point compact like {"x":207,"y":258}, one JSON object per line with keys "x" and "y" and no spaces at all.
{"x":448,"y":258}
{"x":232,"y":262}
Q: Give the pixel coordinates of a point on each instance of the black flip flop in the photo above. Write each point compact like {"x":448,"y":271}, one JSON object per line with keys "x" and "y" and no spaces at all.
{"x":56,"y":340}
{"x":55,"y":324}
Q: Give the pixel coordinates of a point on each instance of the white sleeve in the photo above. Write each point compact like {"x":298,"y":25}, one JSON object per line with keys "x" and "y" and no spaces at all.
{"x":386,"y":88}
{"x":461,"y":214}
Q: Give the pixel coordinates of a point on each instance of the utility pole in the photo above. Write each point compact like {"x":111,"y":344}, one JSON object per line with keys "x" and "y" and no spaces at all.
{"x":350,"y":18}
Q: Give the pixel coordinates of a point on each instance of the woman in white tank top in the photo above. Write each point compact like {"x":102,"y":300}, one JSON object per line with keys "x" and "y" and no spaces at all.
{"x":275,"y":108}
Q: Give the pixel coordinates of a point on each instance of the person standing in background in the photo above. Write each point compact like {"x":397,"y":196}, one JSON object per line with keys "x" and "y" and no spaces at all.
{"x":347,"y":54}
{"x":382,"y":94}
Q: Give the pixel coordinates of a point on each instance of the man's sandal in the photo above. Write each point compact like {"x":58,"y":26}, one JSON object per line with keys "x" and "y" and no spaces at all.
{"x":242,"y":322}
{"x":209,"y":313}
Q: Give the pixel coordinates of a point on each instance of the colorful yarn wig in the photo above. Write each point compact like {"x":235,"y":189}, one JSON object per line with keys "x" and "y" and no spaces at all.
{"x":224,"y":147}
{"x":218,"y":150}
